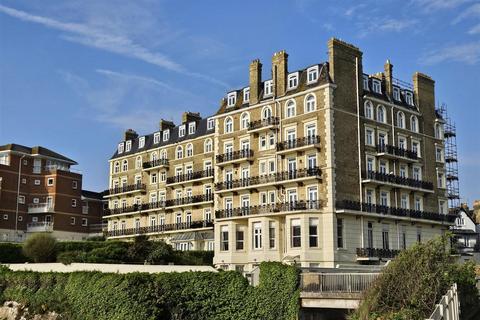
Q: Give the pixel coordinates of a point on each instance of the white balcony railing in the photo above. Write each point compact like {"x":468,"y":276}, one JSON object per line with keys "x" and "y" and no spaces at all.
{"x":336,"y":282}
{"x":40,"y":208}
{"x":40,"y":227}
{"x":85,"y":209}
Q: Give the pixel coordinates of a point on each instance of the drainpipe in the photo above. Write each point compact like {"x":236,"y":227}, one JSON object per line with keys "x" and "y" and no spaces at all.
{"x":18,"y":194}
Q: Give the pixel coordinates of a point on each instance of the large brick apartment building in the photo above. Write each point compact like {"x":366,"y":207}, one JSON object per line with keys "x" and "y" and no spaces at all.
{"x":322,"y":166}
{"x":40,"y":193}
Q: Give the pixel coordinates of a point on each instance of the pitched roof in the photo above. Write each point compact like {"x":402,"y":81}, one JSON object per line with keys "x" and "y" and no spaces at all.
{"x":37,"y":150}
{"x":92,"y":194}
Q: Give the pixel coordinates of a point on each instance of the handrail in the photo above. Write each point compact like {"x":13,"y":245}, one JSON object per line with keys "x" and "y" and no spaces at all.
{"x":391,"y":178}
{"x":320,"y":282}
{"x":263,"y":123}
{"x":155,"y":163}
{"x":297,"y":143}
{"x":161,"y":228}
{"x":127,"y":188}
{"x":269,"y":208}
{"x":400,"y":152}
{"x":190,"y":176}
{"x":234,"y":155}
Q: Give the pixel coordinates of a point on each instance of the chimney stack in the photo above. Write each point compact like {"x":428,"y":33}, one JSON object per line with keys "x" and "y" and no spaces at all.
{"x":280,"y":72}
{"x":388,"y":74}
{"x":130,"y":134}
{"x":191,"y":116}
{"x":255,"y":81}
{"x":165,"y":124}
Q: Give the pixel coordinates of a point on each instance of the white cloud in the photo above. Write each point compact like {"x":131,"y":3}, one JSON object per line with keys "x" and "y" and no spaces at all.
{"x":474,"y":30}
{"x":467,"y":53}
{"x":385,"y":25}
{"x":428,"y":5}
{"x":108,"y":36}
{"x":472,"y":11}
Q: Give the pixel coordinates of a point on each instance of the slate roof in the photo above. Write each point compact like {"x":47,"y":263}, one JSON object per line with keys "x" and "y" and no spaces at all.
{"x":36,"y":150}
{"x":200,"y":130}
{"x":189,"y":236}
{"x":92,"y":194}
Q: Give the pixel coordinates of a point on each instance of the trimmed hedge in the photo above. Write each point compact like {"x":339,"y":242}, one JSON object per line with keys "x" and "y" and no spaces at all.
{"x":189,"y":295}
{"x":12,"y":253}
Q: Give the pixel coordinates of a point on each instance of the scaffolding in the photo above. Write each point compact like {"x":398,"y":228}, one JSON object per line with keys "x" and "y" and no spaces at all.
{"x":451,"y":159}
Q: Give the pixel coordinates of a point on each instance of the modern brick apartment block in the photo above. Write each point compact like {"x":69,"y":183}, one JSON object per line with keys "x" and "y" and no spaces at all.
{"x":49,"y":195}
{"x":327,"y":166}
{"x":161,"y":184}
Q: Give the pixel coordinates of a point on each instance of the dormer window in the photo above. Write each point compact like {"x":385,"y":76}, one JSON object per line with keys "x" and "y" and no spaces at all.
{"x":156,"y":137}
{"x":292,"y":80}
{"x":268,"y":88}
{"x":246,"y":95}
{"x":231,"y":99}
{"x":191,"y":127}
{"x":120,"y":147}
{"x":210,"y":124}
{"x":141,"y":142}
{"x":166,"y":135}
{"x":377,"y":86}
{"x":409,"y":98}
{"x":365,"y":83}
{"x":181,"y":131}
{"x":128,"y":145}
{"x":312,"y":74}
{"x":396,"y":94}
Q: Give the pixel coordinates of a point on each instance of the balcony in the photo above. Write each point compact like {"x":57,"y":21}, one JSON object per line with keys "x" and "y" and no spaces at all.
{"x":325,"y":283}
{"x":299,"y":143}
{"x":366,"y":254}
{"x":396,"y":152}
{"x":235,"y":156}
{"x":161,"y":228}
{"x":276,"y":208}
{"x":190,"y":177}
{"x":398,"y":181}
{"x":131,"y":188}
{"x":264,"y":124}
{"x":394,"y":212}
{"x":270,"y":179}
{"x":40,"y":227}
{"x":187,"y":201}
{"x":34,"y":208}
{"x":136,"y":207}
{"x":155,"y":164}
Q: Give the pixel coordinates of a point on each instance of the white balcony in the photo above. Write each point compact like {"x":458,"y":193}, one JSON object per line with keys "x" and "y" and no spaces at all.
{"x":40,"y":227}
{"x":85,"y":209}
{"x":40,"y":208}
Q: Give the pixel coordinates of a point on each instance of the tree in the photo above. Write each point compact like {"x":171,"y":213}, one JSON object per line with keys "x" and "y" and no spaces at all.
{"x":40,"y":247}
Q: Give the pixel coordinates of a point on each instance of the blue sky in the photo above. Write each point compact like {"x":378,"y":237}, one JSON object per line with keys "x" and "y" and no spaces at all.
{"x":75,"y":74}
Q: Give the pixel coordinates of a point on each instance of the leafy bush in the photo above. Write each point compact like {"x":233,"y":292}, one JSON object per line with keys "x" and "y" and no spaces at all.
{"x":188,"y":295}
{"x":193,"y":258}
{"x":12,"y":253}
{"x":40,"y":247}
{"x":411,"y":285}
{"x":111,"y":252}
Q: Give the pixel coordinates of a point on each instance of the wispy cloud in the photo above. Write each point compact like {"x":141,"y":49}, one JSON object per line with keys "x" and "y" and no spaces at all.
{"x":467,"y":53}
{"x":472,"y":11}
{"x":429,"y":5}
{"x":96,"y":36}
{"x":474,"y":30}
{"x":385,"y":25}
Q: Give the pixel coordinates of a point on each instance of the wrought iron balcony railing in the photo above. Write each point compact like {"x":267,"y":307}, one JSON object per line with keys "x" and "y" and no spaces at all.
{"x":161,"y":228}
{"x":270,"y":121}
{"x":269,"y":178}
{"x":136,"y":207}
{"x":377,"y":253}
{"x":297,"y":143}
{"x":189,"y":200}
{"x":235,"y":155}
{"x":269,"y":208}
{"x":190,"y":176}
{"x":396,"y":151}
{"x":394,"y":211}
{"x":127,"y":188}
{"x":155,"y":163}
{"x":391,"y":178}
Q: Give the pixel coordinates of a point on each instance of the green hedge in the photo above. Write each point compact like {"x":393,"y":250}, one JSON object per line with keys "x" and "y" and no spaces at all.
{"x":12,"y":253}
{"x":189,"y":295}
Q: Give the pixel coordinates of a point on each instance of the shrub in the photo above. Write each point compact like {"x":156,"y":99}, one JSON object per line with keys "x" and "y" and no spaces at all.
{"x":160,"y":253}
{"x":69,"y":257}
{"x":12,"y":253}
{"x":111,"y":252}
{"x":40,"y":247}
{"x":193,"y":258}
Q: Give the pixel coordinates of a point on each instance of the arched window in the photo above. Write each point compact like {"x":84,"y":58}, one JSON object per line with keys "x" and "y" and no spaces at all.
{"x":125,"y":165}
{"x":163,"y":154}
{"x":401,"y":120}
{"x":153,"y":156}
{"x":138,"y":162}
{"x":290,"y":109}
{"x":266,"y":112}
{"x":310,"y":103}
{"x":244,"y":120}
{"x":208,"y":147}
{"x":179,"y":152}
{"x":381,"y":114}
{"x":368,"y":109}
{"x":414,"y":123}
{"x":189,"y":150}
{"x":116,"y":167}
{"x":228,"y":125}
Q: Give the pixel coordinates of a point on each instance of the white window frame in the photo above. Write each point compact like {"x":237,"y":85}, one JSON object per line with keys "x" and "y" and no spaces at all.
{"x":120,"y":148}
{"x":128,"y":145}
{"x":290,"y":105}
{"x":228,"y":125}
{"x":210,"y":123}
{"x":310,"y":104}
{"x":268,"y":88}
{"x":231,"y":99}
{"x":292,"y":80}
{"x":246,"y":95}
{"x":141,"y":142}
{"x":166,"y":135}
{"x":192,"y":127}
{"x":365,"y":83}
{"x":181,"y":131}
{"x":244,"y":120}
{"x":377,"y":86}
{"x":156,"y":137}
{"x":312,"y":75}
{"x":368,"y":109}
